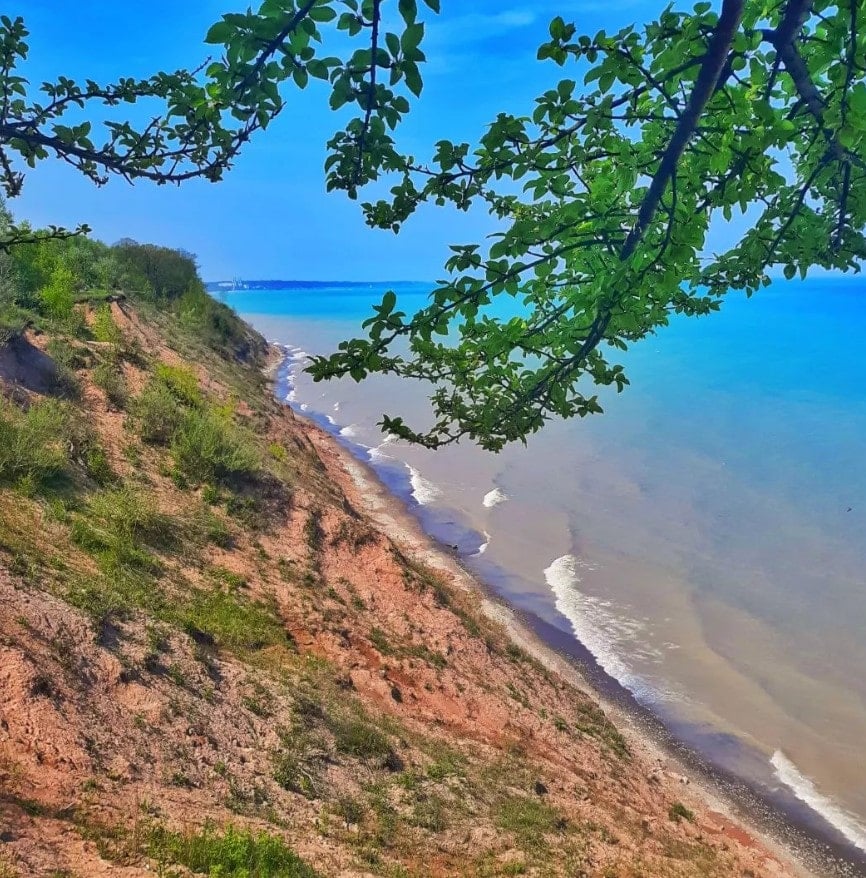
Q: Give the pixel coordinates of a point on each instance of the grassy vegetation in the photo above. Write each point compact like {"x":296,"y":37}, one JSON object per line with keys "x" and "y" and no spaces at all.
{"x":592,"y":722}
{"x":208,"y":448}
{"x":156,"y":414}
{"x":359,"y":738}
{"x":68,"y":358}
{"x":109,"y":377}
{"x":529,"y":820}
{"x":226,"y":853}
{"x":678,"y":811}
{"x":119,"y":527}
{"x":230,"y":621}
{"x":35,"y":443}
{"x":180,"y":382}
{"x":217,"y":852}
{"x":104,"y":328}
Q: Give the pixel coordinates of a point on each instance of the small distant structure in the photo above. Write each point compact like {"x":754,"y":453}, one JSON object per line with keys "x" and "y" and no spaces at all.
{"x":233,"y":284}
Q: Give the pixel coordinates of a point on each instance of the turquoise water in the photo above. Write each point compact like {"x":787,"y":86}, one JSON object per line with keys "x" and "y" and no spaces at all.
{"x":705,"y":538}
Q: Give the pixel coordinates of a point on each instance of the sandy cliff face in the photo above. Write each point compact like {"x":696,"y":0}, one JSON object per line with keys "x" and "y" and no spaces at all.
{"x":286,"y":686}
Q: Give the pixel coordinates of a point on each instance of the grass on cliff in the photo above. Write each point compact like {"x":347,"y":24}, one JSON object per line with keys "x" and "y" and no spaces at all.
{"x":230,"y":853}
{"x":34,"y":444}
{"x":227,"y":852}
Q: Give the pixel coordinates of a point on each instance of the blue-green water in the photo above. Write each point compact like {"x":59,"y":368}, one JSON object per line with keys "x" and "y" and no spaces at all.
{"x":705,"y":538}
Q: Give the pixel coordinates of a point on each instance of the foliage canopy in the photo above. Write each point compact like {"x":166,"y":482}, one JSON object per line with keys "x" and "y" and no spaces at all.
{"x":605,"y":191}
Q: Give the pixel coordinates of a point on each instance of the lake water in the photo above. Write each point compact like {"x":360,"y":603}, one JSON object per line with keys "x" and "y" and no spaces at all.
{"x":705,"y":538}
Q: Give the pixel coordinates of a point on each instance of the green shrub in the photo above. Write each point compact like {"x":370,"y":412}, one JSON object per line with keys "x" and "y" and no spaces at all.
{"x":293,"y":773}
{"x":132,"y":518}
{"x":34,"y":445}
{"x":206,"y":526}
{"x":350,"y":810}
{"x":110,"y":378}
{"x":217,"y":325}
{"x":67,"y":358}
{"x":233,"y":853}
{"x":181,"y":382}
{"x":591,"y":721}
{"x":119,"y":528}
{"x":156,"y":414}
{"x":57,"y":297}
{"x":278,"y":452}
{"x":528,"y":819}
{"x":104,"y":328}
{"x":207,"y":448}
{"x":13,"y":321}
{"x":678,"y":811}
{"x":66,"y":354}
{"x":98,"y":466}
{"x":230,"y":620}
{"x":358,"y":738}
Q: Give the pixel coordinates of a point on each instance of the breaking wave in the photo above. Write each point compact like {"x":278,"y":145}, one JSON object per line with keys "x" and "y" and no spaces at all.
{"x":484,"y":546}
{"x":807,"y":792}
{"x":605,"y":633}
{"x":423,"y":490}
{"x":495,"y":497}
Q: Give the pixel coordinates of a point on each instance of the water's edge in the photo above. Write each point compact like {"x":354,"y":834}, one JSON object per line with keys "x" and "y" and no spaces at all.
{"x":777,"y":813}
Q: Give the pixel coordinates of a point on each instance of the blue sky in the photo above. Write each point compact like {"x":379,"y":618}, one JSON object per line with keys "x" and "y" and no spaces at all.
{"x":271,"y":216}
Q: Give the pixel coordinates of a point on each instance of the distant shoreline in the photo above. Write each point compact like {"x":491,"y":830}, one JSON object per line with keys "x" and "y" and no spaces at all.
{"x":240,"y":285}
{"x":786,"y":826}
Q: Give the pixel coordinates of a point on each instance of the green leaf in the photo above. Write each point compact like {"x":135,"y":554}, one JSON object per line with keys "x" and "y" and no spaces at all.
{"x":409,"y":11}
{"x":219,"y":32}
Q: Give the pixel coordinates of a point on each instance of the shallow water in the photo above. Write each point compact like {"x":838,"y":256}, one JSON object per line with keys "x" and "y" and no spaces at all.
{"x":705,"y":539}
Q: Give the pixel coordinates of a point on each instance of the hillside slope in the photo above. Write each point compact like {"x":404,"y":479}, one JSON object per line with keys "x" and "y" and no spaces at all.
{"x":213,"y":661}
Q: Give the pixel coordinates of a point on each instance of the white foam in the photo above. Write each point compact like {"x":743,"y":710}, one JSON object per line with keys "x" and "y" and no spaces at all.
{"x":807,"y":792}
{"x":349,"y":431}
{"x":484,"y":546}
{"x":336,"y":406}
{"x":331,"y":421}
{"x":291,"y":396}
{"x":377,"y":453}
{"x":606,"y":633}
{"x":423,"y":490}
{"x":495,"y":497}
{"x":304,"y":407}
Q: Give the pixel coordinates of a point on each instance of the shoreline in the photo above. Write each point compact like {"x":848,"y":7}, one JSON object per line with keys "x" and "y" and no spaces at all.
{"x":754,"y":816}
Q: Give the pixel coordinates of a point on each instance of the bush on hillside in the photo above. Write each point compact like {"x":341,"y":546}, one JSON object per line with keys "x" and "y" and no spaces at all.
{"x":104,"y":328}
{"x":232,"y":853}
{"x":208,"y":448}
{"x":180,"y":382}
{"x":57,"y":297}
{"x":119,"y":526}
{"x":109,"y":378}
{"x":13,"y":321}
{"x":67,"y":359}
{"x":132,"y":518}
{"x":34,"y":444}
{"x":156,"y":414}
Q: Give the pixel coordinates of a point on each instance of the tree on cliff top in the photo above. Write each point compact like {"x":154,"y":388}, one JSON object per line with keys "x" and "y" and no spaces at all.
{"x":606,"y":189}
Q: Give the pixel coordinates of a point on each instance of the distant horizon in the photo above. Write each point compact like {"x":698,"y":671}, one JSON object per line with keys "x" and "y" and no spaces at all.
{"x":774,"y":275}
{"x":316,"y":282}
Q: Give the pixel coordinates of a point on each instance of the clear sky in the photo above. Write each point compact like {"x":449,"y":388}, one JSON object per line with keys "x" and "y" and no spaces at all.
{"x":271,"y":216}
